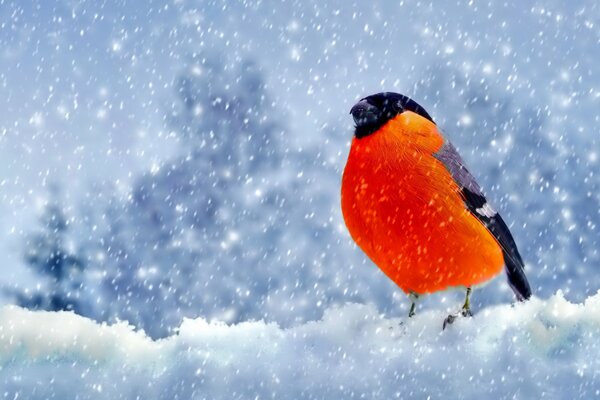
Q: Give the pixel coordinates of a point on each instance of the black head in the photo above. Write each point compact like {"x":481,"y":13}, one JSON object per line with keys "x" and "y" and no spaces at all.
{"x":374,"y":111}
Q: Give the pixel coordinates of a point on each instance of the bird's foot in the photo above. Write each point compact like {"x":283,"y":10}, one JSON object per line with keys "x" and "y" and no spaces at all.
{"x":412,"y":312}
{"x":449,"y":320}
{"x":413,"y":304}
{"x":465,"y":312}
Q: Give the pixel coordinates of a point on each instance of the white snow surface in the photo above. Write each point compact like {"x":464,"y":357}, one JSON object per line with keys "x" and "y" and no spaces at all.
{"x":539,"y":349}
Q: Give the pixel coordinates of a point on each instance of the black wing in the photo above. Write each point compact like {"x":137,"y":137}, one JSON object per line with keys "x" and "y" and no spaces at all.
{"x":477,"y":204}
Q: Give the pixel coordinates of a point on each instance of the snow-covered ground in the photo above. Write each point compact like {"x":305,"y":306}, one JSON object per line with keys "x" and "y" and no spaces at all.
{"x":539,"y":349}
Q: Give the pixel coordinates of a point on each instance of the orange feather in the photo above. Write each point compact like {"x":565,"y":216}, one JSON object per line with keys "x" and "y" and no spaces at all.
{"x":405,"y":211}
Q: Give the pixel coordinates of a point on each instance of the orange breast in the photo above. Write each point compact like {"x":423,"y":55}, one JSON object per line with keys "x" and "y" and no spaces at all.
{"x":404,"y":210}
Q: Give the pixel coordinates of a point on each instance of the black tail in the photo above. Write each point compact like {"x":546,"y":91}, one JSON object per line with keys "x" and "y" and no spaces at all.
{"x":514,"y":265}
{"x":480,"y":209}
{"x":516,"y":277}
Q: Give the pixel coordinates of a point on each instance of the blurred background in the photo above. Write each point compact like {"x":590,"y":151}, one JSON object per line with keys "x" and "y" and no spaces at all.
{"x":183,"y":158}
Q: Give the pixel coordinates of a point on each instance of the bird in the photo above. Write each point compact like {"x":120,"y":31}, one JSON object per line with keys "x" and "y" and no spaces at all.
{"x":410,"y":203}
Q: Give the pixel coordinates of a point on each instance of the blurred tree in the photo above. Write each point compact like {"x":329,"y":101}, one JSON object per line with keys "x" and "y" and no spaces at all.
{"x":239,"y":225}
{"x":190,"y":239}
{"x":59,"y":268}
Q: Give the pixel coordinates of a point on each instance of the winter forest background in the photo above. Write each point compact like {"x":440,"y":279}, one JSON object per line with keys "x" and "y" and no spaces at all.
{"x":182,"y":159}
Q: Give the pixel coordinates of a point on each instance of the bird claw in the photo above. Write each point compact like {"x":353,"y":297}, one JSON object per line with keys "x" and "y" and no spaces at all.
{"x":465,"y":312}
{"x":449,"y":320}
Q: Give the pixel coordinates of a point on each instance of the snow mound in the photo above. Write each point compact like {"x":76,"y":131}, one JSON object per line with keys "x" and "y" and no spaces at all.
{"x":539,"y":349}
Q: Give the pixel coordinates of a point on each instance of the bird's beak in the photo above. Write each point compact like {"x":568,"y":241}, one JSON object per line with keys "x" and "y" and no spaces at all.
{"x":364,"y":113}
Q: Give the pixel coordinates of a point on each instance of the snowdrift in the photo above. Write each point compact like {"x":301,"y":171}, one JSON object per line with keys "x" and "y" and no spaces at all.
{"x":541,"y":349}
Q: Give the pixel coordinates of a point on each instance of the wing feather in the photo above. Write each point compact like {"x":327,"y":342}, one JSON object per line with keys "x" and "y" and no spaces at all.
{"x":478,"y":205}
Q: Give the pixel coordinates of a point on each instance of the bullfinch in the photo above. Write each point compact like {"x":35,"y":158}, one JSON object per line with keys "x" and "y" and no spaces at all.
{"x":413,"y":207}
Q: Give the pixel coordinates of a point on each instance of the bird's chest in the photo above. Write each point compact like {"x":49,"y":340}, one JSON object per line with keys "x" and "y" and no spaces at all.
{"x":389,"y":198}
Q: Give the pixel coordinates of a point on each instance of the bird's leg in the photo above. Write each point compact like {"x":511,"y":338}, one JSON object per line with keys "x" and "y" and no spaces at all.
{"x":412,"y":312}
{"x":466,"y":308}
{"x":413,"y":304}
{"x":465,"y":311}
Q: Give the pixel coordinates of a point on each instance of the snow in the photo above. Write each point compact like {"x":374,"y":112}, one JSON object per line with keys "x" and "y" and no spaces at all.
{"x":179,"y":162}
{"x":539,"y":349}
